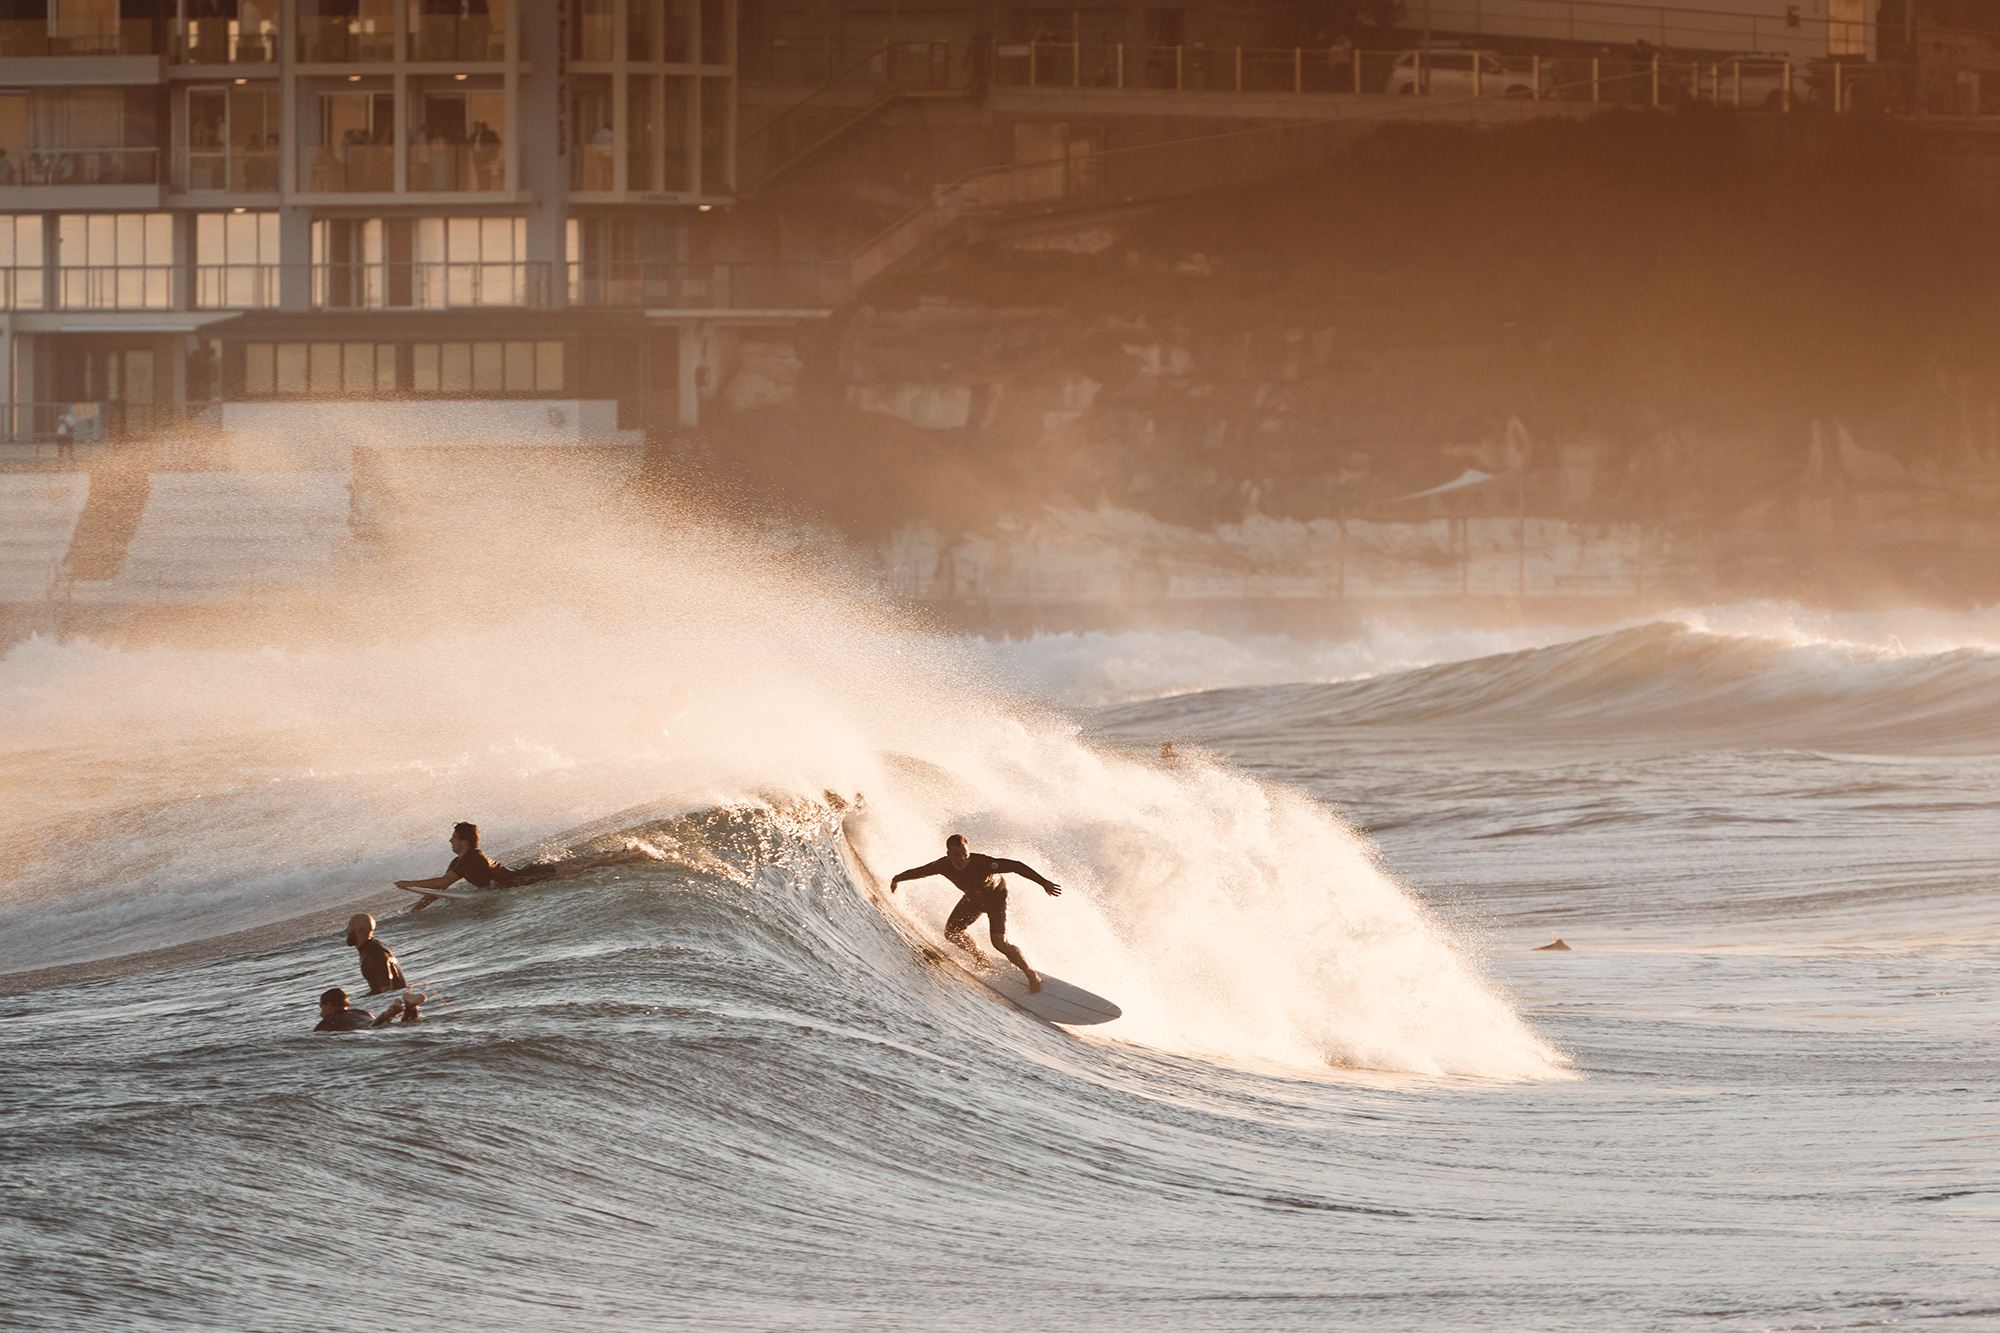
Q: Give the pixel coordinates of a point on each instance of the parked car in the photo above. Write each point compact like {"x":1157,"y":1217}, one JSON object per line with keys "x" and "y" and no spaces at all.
{"x":1452,"y":72}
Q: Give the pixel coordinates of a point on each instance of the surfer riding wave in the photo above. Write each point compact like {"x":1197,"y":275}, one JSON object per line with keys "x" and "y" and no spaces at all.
{"x":979,"y":877}
{"x":481,"y":871}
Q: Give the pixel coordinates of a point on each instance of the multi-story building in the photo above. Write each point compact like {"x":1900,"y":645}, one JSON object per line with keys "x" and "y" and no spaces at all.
{"x":233,"y":201}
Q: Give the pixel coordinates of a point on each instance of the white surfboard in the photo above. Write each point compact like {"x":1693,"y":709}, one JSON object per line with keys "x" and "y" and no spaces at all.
{"x":1058,"y":1002}
{"x":454,"y":892}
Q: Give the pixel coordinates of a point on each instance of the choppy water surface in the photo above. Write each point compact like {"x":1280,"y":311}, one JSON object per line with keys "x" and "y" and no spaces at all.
{"x":719,"y":1091}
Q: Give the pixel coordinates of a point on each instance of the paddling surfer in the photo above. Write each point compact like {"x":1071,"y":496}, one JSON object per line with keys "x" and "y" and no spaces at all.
{"x":468,"y":863}
{"x":978,"y":877}
{"x":379,"y":967}
{"x":481,"y":871}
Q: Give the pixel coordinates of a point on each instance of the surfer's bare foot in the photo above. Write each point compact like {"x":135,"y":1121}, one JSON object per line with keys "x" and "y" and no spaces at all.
{"x":1034,"y":983}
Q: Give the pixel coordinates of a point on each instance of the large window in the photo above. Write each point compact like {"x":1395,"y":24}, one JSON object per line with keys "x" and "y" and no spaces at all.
{"x":229,"y":32}
{"x":81,"y":28}
{"x":232,"y":138}
{"x":423,"y":263}
{"x":458,"y":30}
{"x":236,"y":259}
{"x":21,"y":261}
{"x":487,"y":367}
{"x":379,"y":370}
{"x":344,"y":31}
{"x":356,"y":152}
{"x":115,"y":261}
{"x":80,"y":136}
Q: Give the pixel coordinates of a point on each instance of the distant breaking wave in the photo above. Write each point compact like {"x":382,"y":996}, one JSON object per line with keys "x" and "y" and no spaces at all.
{"x":1647,"y":679}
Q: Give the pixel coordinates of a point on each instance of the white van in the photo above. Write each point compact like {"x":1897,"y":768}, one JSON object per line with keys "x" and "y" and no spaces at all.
{"x":1458,"y":73}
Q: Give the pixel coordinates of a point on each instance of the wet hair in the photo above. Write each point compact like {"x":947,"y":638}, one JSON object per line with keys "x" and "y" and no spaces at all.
{"x":955,"y":840}
{"x":469,"y":832}
{"x":334,"y":996}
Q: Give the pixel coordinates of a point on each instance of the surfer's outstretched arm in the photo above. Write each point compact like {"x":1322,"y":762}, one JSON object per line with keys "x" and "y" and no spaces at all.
{"x":1026,"y":871}
{"x":936,"y":867}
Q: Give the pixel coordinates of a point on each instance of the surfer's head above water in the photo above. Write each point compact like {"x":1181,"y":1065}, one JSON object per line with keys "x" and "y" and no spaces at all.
{"x":955,"y":848}
{"x":465,"y":833}
{"x":333,"y":1001}
{"x":360,"y":928}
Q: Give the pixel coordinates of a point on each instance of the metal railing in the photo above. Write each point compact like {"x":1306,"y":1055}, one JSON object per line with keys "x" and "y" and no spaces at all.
{"x":69,"y":424}
{"x":121,"y":37}
{"x":370,"y":168}
{"x":1750,"y":81}
{"x":81,"y":166}
{"x":709,"y":286}
{"x":115,"y":287}
{"x":243,"y":170}
{"x":236,"y":286}
{"x":445,"y":37}
{"x":428,"y":285}
{"x":344,"y":41}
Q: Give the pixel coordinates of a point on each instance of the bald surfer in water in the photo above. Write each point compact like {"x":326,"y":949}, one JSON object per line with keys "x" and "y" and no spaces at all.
{"x":379,"y":967}
{"x":978,"y":877}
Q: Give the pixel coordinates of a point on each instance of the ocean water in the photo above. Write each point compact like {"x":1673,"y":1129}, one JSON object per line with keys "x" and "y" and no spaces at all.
{"x":719,"y":1091}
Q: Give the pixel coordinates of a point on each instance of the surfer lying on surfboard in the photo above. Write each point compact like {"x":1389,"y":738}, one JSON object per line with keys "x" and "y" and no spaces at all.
{"x":481,"y":871}
{"x":978,"y":877}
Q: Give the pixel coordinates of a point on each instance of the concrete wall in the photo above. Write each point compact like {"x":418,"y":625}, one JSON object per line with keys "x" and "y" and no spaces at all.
{"x":322,"y":437}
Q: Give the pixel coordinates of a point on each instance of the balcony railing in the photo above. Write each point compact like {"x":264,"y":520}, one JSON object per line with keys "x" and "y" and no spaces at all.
{"x":429,"y":285}
{"x":236,"y":286}
{"x":342,"y":41}
{"x":22,"y":288}
{"x":82,"y":166}
{"x":218,"y":41}
{"x":115,"y":287}
{"x":457,"y":166}
{"x":360,"y":168}
{"x":244,"y":171}
{"x":444,"y":37}
{"x":371,"y":168}
{"x":719,"y":286}
{"x":122,"y":37}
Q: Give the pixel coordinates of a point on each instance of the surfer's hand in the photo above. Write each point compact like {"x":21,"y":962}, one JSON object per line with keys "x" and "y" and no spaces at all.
{"x":1053,"y":890}
{"x":892,"y":885}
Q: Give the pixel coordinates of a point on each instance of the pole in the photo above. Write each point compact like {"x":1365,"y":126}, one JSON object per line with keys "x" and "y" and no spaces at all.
{"x":1034,"y":48}
{"x":1121,"y":65}
{"x":1075,"y":59}
{"x":1538,"y":77}
{"x":1788,"y":87}
{"x":1357,"y":69}
{"x":1596,"y":93}
{"x":1298,"y":69}
{"x":1239,"y":69}
{"x":1838,"y":100}
{"x":1656,"y":79}
{"x":1178,"y":67}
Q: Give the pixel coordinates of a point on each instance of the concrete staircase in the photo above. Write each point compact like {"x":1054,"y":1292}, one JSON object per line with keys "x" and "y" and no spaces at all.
{"x":208,"y":537}
{"x":38,"y":515}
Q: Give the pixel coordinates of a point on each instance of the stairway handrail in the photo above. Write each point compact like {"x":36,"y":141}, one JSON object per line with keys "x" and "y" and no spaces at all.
{"x":837,"y":81}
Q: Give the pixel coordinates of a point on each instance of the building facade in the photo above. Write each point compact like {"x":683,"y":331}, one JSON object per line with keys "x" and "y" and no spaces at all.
{"x":213,"y":201}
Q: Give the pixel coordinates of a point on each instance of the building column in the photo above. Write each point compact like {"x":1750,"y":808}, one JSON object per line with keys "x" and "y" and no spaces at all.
{"x":692,"y":336}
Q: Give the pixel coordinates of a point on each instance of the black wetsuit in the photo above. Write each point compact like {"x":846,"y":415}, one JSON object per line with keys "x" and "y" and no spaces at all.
{"x":379,"y":967}
{"x":479,"y":870}
{"x":347,"y":1020}
{"x":985,"y":892}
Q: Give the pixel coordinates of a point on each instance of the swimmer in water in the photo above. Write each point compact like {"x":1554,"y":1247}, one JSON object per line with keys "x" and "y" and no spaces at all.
{"x":978,"y":877}
{"x":335,"y":1015}
{"x":379,"y":967}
